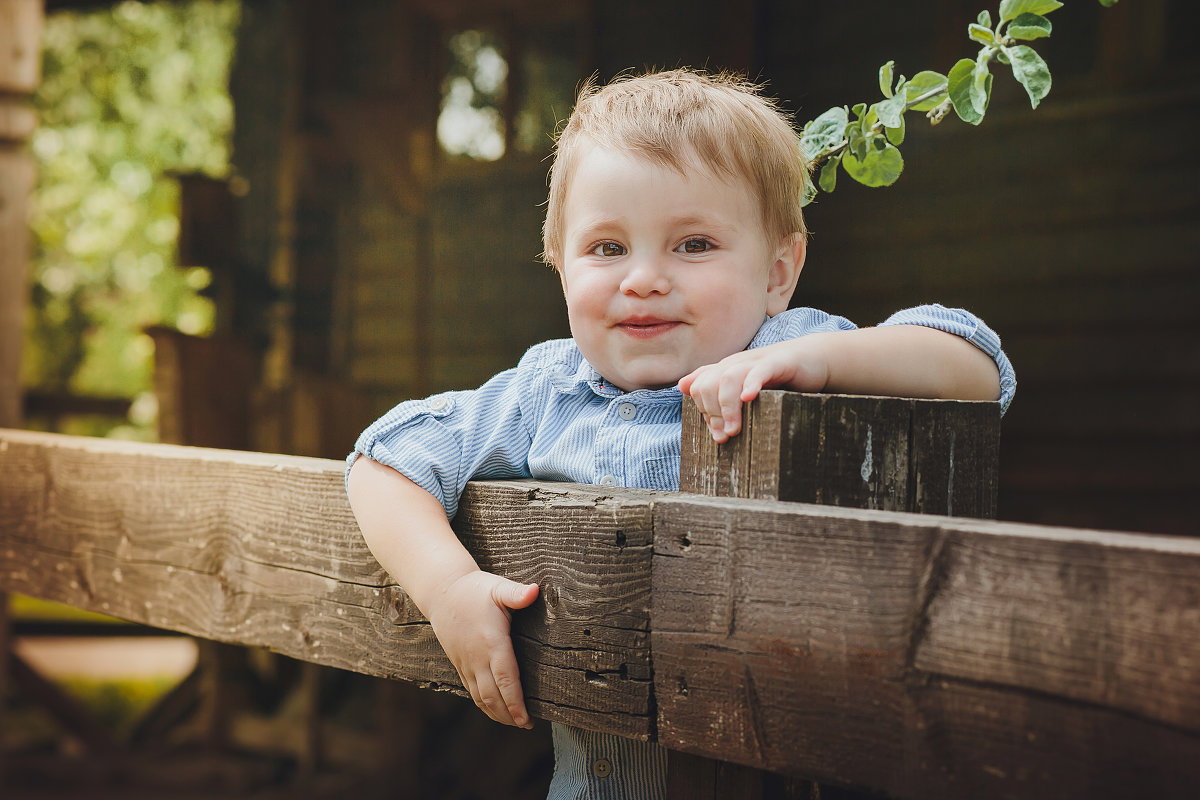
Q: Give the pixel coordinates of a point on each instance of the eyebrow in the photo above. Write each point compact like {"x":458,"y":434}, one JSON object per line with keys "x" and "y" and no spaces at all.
{"x":597,"y":226}
{"x":698,"y":221}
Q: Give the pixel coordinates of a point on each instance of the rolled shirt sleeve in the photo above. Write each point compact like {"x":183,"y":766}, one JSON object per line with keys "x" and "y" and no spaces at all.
{"x":961,"y":322}
{"x":443,"y":441}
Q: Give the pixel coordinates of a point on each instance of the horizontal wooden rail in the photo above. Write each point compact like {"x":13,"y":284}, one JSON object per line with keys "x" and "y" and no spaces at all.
{"x":917,"y":655}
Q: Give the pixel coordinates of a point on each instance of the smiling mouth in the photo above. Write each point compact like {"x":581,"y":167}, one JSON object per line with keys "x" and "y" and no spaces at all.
{"x":647,"y":328}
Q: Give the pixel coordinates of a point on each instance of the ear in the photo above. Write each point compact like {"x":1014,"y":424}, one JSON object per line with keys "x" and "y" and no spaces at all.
{"x":785,"y":272}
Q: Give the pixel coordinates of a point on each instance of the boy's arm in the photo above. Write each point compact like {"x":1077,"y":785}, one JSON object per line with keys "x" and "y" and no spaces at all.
{"x":896,"y":360}
{"x":407,"y":531}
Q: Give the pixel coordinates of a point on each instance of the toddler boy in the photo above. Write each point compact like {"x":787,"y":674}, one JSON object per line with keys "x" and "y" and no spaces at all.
{"x":674,"y":224}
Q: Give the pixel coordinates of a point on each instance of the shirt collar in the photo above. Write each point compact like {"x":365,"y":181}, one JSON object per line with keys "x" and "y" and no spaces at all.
{"x":586,"y":375}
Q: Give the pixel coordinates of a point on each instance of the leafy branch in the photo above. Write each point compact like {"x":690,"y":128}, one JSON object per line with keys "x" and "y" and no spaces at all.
{"x":864,"y":140}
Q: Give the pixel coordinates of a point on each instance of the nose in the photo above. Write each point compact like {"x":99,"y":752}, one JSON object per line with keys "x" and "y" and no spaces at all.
{"x":645,"y":276}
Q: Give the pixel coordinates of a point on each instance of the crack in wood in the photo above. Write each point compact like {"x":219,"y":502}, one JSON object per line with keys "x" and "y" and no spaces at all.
{"x":934,"y":575}
{"x":918,"y":679}
{"x":753,"y":707}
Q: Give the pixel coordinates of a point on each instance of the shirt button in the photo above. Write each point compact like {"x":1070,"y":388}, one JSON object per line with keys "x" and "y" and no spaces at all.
{"x":437,"y":403}
{"x":601,"y":767}
{"x":608,"y":480}
{"x":627,"y":411}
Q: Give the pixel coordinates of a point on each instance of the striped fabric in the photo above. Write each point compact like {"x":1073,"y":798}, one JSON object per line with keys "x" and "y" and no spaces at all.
{"x":553,"y":417}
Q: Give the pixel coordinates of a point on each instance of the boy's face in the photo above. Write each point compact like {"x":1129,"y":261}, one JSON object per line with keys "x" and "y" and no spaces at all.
{"x":664,"y":273}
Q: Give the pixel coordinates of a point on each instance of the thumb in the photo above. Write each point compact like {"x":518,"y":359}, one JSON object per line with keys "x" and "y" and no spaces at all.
{"x":511,"y":594}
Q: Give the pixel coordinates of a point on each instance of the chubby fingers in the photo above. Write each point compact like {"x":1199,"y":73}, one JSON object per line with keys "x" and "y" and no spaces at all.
{"x":496,"y":690}
{"x":473,"y":626}
{"x":719,"y":391}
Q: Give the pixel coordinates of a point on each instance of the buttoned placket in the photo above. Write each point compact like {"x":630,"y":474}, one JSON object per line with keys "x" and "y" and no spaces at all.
{"x":626,"y":412}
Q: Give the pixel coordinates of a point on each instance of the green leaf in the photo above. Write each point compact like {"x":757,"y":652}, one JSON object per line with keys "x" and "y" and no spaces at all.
{"x":824,"y":133}
{"x":980,"y":34}
{"x":868,"y":121}
{"x":1108,"y":3}
{"x":829,"y":173}
{"x":896,"y":135}
{"x":985,"y":18}
{"x":1029,"y":26}
{"x":1011,"y":9}
{"x":959,"y":83}
{"x":1032,"y":72}
{"x":856,"y":141}
{"x":885,"y":78}
{"x":877,"y":168}
{"x":891,"y":111}
{"x":859,"y":109}
{"x":981,"y":84}
{"x":923,"y":83}
{"x":810,"y":192}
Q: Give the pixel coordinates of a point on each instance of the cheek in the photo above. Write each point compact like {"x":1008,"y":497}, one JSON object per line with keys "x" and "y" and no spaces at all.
{"x":585,"y":296}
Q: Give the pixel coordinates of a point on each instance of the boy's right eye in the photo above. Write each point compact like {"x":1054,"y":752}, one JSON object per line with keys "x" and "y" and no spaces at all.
{"x":608,"y":249}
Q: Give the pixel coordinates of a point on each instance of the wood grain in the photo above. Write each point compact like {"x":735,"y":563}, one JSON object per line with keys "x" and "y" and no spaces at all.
{"x":928,"y":657}
{"x":260,"y":549}
{"x":898,"y":454}
{"x":917,"y":655}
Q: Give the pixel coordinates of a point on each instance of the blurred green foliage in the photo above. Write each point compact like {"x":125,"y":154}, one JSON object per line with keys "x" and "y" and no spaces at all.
{"x":118,"y":704}
{"x":31,"y":608}
{"x":129,"y":94}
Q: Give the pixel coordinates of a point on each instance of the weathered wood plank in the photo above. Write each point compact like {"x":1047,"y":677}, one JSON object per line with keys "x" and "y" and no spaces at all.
{"x":922,"y":656}
{"x":261,"y":549}
{"x":852,"y":451}
{"x":928,"y":657}
{"x":589,"y":631}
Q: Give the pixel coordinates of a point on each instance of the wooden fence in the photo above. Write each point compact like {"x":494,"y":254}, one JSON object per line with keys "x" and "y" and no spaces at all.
{"x":917,"y":655}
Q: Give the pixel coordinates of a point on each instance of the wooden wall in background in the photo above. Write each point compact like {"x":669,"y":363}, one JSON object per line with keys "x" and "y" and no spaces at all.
{"x":1070,"y":228}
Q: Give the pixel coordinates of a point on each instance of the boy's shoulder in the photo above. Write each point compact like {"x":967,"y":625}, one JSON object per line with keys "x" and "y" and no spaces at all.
{"x":557,"y":361}
{"x":797,"y":322}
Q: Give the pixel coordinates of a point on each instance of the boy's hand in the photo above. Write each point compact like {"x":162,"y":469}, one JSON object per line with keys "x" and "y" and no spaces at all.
{"x":892,"y":360}
{"x":471,"y":620}
{"x":720,"y":389}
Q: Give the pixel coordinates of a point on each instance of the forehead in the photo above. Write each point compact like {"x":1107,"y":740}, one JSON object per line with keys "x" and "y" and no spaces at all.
{"x":604,"y":177}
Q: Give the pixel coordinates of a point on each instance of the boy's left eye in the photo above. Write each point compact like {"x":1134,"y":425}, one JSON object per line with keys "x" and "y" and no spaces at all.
{"x":694,"y":246}
{"x":608,"y":249}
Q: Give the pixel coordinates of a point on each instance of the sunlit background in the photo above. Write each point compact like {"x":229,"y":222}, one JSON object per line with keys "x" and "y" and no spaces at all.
{"x":131,"y":98}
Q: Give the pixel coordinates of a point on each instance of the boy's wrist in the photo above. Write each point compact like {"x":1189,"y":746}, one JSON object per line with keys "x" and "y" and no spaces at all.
{"x":432,"y":596}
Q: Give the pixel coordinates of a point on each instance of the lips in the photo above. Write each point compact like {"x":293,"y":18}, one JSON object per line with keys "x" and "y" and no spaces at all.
{"x":646,"y":327}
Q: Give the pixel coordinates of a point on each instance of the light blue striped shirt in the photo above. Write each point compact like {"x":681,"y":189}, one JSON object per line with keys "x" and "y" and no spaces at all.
{"x":553,"y":417}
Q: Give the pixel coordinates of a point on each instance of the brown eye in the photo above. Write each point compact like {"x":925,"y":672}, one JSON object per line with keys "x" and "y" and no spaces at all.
{"x":609,"y":249}
{"x":695,"y":246}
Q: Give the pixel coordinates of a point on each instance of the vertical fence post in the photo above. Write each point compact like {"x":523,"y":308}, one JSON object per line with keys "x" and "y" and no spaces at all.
{"x":895,"y":454}
{"x":20,"y":63}
{"x":20,"y":60}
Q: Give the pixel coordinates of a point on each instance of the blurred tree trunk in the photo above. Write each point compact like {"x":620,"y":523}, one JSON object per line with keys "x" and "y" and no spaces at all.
{"x":20,"y":59}
{"x":20,"y":51}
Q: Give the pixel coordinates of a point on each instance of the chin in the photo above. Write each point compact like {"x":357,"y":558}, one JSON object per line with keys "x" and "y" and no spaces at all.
{"x":652,"y":382}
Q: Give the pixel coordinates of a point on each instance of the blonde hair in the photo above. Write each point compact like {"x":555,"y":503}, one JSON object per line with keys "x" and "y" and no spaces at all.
{"x":675,"y":119}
